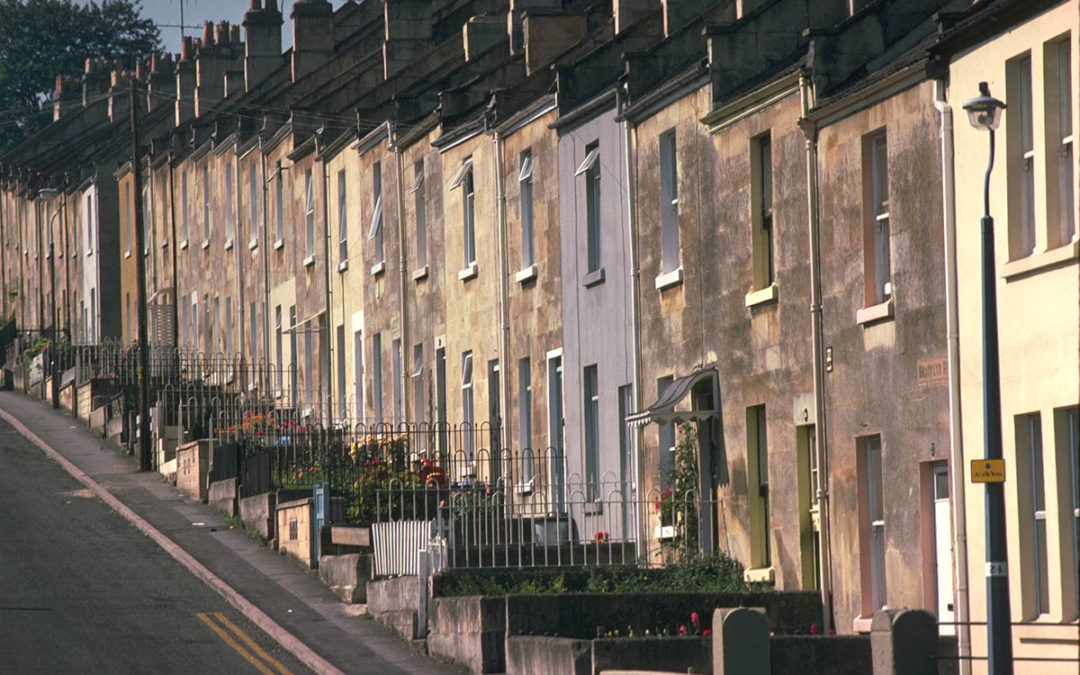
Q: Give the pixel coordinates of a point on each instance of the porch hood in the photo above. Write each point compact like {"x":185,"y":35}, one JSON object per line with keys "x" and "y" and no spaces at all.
{"x":663,"y":410}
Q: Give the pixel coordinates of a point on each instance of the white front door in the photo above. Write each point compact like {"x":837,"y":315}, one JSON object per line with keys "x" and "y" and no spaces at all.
{"x":943,"y":578}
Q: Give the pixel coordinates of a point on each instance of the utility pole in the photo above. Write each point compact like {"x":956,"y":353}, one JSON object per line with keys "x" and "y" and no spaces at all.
{"x":140,"y":267}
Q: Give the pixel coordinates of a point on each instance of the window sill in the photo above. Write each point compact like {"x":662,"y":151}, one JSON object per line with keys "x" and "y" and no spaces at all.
{"x":862,"y":624}
{"x":228,"y":244}
{"x":467,"y":273}
{"x":670,"y":279}
{"x":524,"y":489}
{"x":127,"y":254}
{"x":309,"y":261}
{"x":165,"y":244}
{"x":183,"y":244}
{"x":526,"y":274}
{"x":420,"y":273}
{"x":253,"y":244}
{"x":762,"y":296}
{"x":664,"y":532}
{"x":343,"y":266}
{"x":760,"y":575}
{"x":279,"y":244}
{"x":378,"y":268}
{"x":873,"y":313}
{"x":1038,"y":262}
{"x":206,"y":244}
{"x":75,"y":254}
{"x":593,"y":278}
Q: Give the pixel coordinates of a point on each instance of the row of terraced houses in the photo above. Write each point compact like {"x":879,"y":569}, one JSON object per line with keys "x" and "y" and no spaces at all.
{"x":585,"y":223}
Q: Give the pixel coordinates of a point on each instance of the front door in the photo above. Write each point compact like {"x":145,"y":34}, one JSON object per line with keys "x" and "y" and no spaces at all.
{"x":943,"y":579}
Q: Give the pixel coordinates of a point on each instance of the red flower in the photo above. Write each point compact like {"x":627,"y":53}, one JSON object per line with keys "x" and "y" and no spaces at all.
{"x":706,"y":632}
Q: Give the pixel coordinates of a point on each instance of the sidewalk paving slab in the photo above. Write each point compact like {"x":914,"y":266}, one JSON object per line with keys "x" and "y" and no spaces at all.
{"x":289,"y":595}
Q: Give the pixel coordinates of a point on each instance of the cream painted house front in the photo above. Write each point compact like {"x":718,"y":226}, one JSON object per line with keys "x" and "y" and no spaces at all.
{"x":1031,"y":66}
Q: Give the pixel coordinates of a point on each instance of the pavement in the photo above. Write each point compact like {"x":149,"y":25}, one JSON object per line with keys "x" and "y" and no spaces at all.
{"x":274,"y":593}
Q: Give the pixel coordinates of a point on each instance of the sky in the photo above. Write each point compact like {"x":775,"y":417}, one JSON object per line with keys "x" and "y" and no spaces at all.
{"x":166,"y":14}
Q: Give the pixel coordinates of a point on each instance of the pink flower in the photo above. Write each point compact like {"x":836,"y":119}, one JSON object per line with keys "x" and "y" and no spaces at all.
{"x":814,"y":629}
{"x":695,"y":619}
{"x":682,"y":630}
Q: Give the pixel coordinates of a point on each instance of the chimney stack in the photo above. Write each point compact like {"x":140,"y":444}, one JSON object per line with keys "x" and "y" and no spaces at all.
{"x":313,"y":35}
{"x":185,"y":81}
{"x":262,"y":30}
{"x":95,"y":81}
{"x":68,"y":95}
{"x":161,"y":85}
{"x":514,"y":18}
{"x":408,"y":33}
{"x":678,"y":13}
{"x":629,"y":12}
{"x":480,"y":33}
{"x":550,"y":33}
{"x":119,"y":80}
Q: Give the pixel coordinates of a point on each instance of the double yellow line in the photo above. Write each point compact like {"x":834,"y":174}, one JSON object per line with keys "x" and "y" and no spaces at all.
{"x":252,"y":654}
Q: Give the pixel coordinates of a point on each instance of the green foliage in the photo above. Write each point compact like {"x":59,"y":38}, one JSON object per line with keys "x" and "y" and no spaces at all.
{"x":712,"y":573}
{"x":678,"y":506}
{"x":46,"y":38}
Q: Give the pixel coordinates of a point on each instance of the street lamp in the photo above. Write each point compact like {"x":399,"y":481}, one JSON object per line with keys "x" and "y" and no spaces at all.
{"x":54,"y":351}
{"x":984,"y":112}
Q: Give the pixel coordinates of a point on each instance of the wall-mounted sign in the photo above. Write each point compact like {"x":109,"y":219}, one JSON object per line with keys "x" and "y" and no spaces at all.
{"x":987,"y":471}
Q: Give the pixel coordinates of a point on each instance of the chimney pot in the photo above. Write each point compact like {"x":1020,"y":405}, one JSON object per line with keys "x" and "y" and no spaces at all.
{"x":208,"y":33}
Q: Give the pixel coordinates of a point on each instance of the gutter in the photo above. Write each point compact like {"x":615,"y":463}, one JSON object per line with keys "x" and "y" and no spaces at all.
{"x":266,"y":270}
{"x":640,"y":535}
{"x":504,"y":321}
{"x":809,"y":128}
{"x":403,"y":277}
{"x":328,"y":385}
{"x":956,"y":439}
{"x":173,"y":245}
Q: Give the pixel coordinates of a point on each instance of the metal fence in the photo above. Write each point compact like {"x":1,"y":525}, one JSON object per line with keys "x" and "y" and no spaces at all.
{"x":478,"y":502}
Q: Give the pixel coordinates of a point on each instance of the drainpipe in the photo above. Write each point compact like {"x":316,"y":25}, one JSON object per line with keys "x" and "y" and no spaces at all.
{"x":328,"y":382}
{"x":269,"y":384}
{"x":504,"y":320}
{"x":238,"y":248}
{"x":635,"y":318}
{"x":403,"y":275}
{"x":821,"y":491}
{"x":956,"y":439}
{"x":172,"y":250}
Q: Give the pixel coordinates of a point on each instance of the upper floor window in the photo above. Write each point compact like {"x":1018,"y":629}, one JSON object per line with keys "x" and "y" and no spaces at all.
{"x":129,"y":224}
{"x":876,"y":253}
{"x":375,"y":231}
{"x":229,"y":225}
{"x":590,"y":168}
{"x":343,"y":222}
{"x":528,"y":253}
{"x":206,"y":203}
{"x":420,"y":206}
{"x":253,"y":203}
{"x":464,"y":179}
{"x":309,"y":213}
{"x":184,"y":206}
{"x":1061,"y":188}
{"x":279,"y":198}
{"x":669,"y":203}
{"x":1020,"y":129}
{"x":761,"y":198}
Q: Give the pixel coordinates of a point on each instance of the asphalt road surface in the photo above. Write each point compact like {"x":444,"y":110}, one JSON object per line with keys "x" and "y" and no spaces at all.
{"x":82,"y":591}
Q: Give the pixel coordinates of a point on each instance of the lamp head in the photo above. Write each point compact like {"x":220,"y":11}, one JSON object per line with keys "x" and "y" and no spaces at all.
{"x":984,"y":111}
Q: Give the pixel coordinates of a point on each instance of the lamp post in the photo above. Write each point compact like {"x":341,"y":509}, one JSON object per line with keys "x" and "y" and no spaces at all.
{"x":984,"y":113}
{"x":54,"y":349}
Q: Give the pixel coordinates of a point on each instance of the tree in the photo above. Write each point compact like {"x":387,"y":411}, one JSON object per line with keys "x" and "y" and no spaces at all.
{"x":40,"y":39}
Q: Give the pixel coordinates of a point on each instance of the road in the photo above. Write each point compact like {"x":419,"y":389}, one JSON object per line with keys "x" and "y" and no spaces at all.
{"x":81,"y":590}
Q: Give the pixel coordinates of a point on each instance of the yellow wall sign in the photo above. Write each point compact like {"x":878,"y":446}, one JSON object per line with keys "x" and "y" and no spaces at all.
{"x":987,"y":471}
